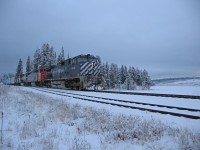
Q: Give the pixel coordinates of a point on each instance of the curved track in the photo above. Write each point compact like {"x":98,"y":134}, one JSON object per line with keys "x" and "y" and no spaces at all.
{"x":120,"y":103}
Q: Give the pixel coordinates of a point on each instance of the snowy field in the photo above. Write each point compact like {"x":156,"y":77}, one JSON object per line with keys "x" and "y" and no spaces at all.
{"x":185,"y":87}
{"x":182,"y":87}
{"x":174,"y":89}
{"x":181,"y":82}
{"x":34,"y":120}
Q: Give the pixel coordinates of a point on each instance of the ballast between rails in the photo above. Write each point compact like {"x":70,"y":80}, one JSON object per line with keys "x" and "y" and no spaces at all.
{"x":151,"y":94}
{"x":125,"y":106}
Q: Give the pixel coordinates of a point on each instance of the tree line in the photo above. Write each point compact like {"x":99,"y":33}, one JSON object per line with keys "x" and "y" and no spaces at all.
{"x":124,"y":77}
{"x":45,"y":57}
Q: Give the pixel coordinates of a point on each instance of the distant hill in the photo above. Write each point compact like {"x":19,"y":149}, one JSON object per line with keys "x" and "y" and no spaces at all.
{"x":184,"y":81}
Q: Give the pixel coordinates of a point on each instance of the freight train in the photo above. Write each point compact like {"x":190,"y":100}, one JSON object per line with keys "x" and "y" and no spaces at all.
{"x":80,"y":72}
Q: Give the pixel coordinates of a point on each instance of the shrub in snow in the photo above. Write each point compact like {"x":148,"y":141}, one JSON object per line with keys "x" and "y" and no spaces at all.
{"x":27,"y":131}
{"x":187,"y":140}
{"x":4,"y":89}
{"x":80,"y":144}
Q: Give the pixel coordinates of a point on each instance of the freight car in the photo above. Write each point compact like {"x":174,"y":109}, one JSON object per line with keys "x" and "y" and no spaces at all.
{"x":80,"y":72}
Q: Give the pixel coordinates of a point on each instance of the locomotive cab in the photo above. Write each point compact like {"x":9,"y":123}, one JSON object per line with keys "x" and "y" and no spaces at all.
{"x":89,"y":71}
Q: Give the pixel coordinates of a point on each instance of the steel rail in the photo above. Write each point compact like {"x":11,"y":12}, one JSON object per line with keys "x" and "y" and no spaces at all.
{"x":150,"y":94}
{"x":125,"y":101}
{"x":126,"y":106}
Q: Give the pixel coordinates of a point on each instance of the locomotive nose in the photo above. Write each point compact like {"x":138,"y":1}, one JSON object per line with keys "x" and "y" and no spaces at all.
{"x":93,"y":64}
{"x":90,"y":68}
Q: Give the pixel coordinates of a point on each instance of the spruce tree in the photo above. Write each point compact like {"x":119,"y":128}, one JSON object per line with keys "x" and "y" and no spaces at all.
{"x":123,"y":73}
{"x":112,"y":76}
{"x":52,"y":57}
{"x":61,"y":57}
{"x":36,"y":59}
{"x":19,"y":71}
{"x":62,"y":54}
{"x":45,"y":56}
{"x":28,"y":65}
{"x":32,"y":66}
{"x":146,"y":81}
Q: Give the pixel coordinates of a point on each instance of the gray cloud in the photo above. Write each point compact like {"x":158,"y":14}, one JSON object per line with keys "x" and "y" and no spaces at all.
{"x":159,"y":36}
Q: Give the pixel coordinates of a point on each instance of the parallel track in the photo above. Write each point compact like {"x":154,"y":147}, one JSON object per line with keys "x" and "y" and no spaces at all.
{"x":126,"y":101}
{"x":67,"y":94}
{"x":151,"y":94}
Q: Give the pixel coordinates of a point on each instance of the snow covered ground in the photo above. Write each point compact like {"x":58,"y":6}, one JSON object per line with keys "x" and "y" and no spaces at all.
{"x":176,"y":102}
{"x":184,"y":86}
{"x":180,"y":82}
{"x":174,"y":89}
{"x":36,"y":120}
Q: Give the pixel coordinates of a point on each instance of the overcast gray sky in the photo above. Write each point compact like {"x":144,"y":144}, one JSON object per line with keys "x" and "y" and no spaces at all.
{"x":162,"y":36}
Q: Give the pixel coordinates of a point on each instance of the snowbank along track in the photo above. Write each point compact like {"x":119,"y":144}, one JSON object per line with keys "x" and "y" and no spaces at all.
{"x":83,"y":97}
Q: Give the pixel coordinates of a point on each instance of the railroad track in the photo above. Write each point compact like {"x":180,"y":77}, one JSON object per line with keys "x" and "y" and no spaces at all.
{"x":123,"y":103}
{"x":151,"y":94}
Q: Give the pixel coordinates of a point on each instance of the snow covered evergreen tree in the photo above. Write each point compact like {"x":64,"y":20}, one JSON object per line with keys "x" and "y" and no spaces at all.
{"x":19,"y":70}
{"x":132,"y":71}
{"x":48,"y":56}
{"x":62,"y":54}
{"x":61,"y":57}
{"x":28,"y":65}
{"x":32,"y":66}
{"x":3,"y":77}
{"x":36,"y":59}
{"x":52,"y":57}
{"x":130,"y":83}
{"x":45,"y":56}
{"x":118,"y":84}
{"x":107,"y":75}
{"x":146,"y":81}
{"x":107,"y":70}
{"x":138,"y":77}
{"x":123,"y":73}
{"x":112,"y":75}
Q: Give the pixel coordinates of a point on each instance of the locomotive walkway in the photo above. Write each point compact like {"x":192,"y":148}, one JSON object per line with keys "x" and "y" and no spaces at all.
{"x":184,"y":112}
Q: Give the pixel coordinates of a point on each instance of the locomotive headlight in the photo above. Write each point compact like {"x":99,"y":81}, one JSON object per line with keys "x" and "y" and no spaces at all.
{"x":93,"y":64}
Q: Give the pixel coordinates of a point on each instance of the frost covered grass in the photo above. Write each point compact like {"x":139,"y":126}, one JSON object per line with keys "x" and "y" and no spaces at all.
{"x":4,"y":89}
{"x":35,"y":121}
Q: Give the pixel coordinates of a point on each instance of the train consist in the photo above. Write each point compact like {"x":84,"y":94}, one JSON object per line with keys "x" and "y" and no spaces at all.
{"x":80,"y":72}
